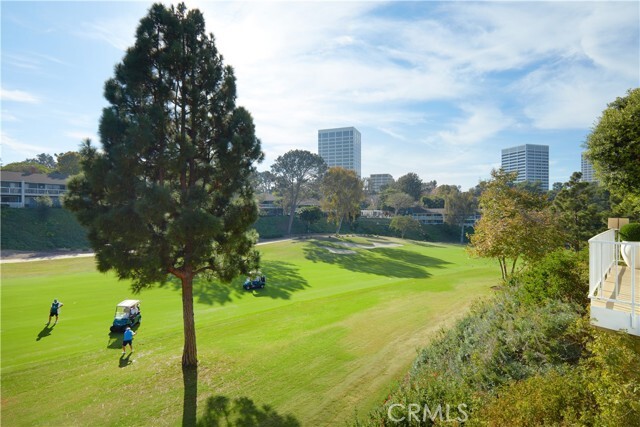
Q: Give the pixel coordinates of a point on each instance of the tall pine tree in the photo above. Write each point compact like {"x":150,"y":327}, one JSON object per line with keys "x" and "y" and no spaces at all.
{"x":170,"y":194}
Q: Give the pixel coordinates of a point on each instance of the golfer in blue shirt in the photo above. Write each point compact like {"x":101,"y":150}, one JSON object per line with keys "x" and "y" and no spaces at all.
{"x":128,"y":339}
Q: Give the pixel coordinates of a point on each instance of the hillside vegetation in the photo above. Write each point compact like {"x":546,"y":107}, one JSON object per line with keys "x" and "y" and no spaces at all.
{"x":55,"y":228}
{"x":525,"y":357}
{"x":41,"y":229}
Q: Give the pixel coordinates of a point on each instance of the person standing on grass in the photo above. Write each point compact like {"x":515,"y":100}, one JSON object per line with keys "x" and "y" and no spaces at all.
{"x":128,"y":339}
{"x":54,"y":311}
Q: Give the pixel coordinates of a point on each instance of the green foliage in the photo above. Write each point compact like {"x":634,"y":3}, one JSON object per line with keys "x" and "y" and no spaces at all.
{"x":527,"y":357}
{"x":557,"y":398}
{"x":614,"y":378}
{"x":515,"y":225}
{"x":43,"y":159}
{"x":398,"y":200}
{"x":613,"y":146}
{"x":170,"y":193}
{"x":68,"y":163}
{"x":27,"y":167}
{"x":404,"y":224}
{"x":310,"y":215}
{"x":43,"y":206}
{"x":500,"y":341}
{"x":410,"y":184}
{"x":582,"y":209}
{"x":295,"y":174}
{"x":561,"y":275}
{"x":630,"y":232}
{"x":26,"y":230}
{"x":433,"y":202}
{"x":342,"y":193}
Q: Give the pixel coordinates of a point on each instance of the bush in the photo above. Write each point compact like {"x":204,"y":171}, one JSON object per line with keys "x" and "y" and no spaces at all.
{"x":562,"y":274}
{"x":499,"y":342}
{"x":557,"y":398}
{"x":630,"y":232}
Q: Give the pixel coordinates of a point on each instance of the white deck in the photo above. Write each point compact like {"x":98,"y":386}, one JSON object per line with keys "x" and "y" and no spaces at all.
{"x":614,"y":288}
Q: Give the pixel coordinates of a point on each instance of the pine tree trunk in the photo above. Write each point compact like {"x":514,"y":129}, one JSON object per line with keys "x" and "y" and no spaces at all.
{"x":189,"y":353}
{"x":292,"y":213}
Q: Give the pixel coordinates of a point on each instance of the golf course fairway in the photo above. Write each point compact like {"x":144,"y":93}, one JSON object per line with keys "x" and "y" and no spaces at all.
{"x":337,"y":325}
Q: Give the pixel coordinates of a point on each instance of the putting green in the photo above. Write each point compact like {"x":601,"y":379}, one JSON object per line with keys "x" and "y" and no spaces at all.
{"x":329,"y":335}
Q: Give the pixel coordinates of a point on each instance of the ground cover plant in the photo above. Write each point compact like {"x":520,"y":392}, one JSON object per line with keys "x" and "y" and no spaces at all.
{"x":329,"y":335}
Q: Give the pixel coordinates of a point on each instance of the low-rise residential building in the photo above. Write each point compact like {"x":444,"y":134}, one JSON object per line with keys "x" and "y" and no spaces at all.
{"x":20,"y":189}
{"x":437,"y":216}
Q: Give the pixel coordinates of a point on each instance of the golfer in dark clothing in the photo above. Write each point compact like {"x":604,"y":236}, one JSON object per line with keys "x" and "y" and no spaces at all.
{"x":54,"y":310}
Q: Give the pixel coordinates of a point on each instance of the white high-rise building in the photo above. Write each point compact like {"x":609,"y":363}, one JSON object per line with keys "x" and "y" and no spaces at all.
{"x":586,"y":167}
{"x":530,"y":161}
{"x":340,"y":147}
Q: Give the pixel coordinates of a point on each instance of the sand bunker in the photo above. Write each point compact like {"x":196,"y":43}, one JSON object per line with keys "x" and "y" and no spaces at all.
{"x":359,"y":246}
{"x":339,"y":251}
{"x":371,"y":246}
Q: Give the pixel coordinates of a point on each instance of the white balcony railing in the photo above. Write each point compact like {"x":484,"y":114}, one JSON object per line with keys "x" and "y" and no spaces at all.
{"x":613,"y":286}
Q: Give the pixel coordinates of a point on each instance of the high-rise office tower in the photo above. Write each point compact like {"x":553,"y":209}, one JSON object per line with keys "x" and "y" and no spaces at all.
{"x":340,"y":147}
{"x":586,"y":167}
{"x":530,"y":161}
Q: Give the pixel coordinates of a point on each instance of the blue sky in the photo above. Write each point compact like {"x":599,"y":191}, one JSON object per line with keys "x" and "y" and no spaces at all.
{"x":435,"y":88}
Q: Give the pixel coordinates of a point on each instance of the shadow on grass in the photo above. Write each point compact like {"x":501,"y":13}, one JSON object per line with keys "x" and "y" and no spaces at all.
{"x":390,"y":262}
{"x":242,"y":412}
{"x":283,"y":280}
{"x":222,"y":411}
{"x":115,"y":338}
{"x":190,"y":401}
{"x":124,"y":361}
{"x":45,"y":332}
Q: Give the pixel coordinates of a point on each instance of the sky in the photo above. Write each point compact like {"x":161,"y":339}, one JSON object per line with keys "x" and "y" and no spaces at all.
{"x":435,"y":88}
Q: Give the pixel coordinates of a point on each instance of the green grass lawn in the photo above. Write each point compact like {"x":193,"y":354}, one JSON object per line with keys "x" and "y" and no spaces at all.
{"x":329,"y":335}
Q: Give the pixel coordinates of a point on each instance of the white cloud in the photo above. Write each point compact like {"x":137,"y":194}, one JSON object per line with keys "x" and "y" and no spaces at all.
{"x":23,"y":150}
{"x":8,"y":117}
{"x":480,"y":124}
{"x":18,"y":96}
{"x":119,"y":33}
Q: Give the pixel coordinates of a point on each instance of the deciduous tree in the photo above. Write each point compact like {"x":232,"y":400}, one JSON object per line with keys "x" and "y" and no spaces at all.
{"x":295,"y":171}
{"x":342,"y":193}
{"x":169,"y":194}
{"x":399,"y":200}
{"x":457,"y":208}
{"x":310,"y":214}
{"x":515,"y":224}
{"x":403,"y":224}
{"x":410,"y":184}
{"x":613,"y":146}
{"x":68,"y":163}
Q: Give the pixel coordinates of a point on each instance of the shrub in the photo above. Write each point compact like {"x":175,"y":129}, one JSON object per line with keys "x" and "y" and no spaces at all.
{"x":561,"y":274}
{"x":500,"y":341}
{"x":556,"y":398}
{"x":630,"y":232}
